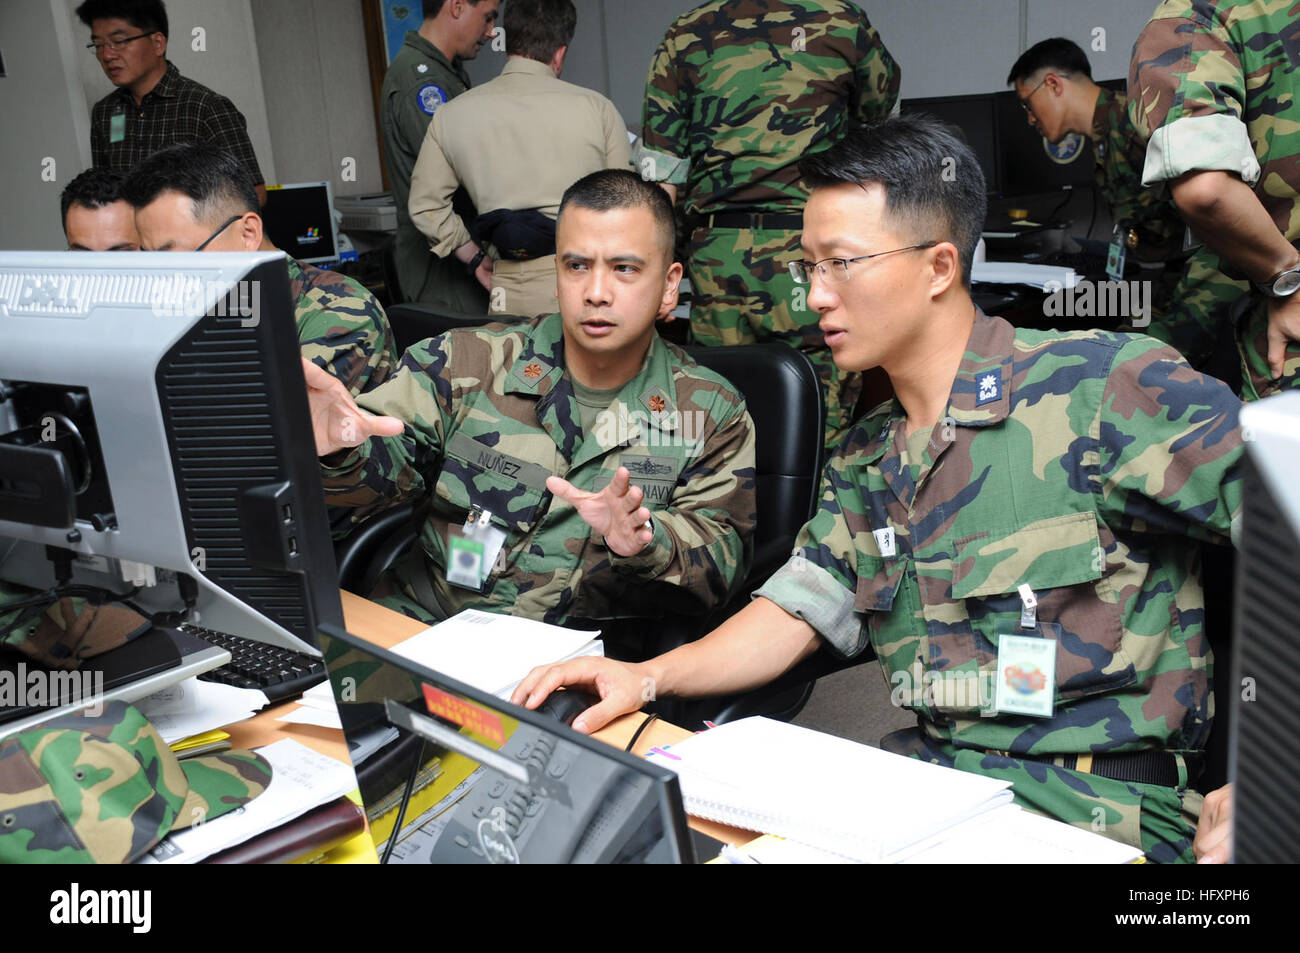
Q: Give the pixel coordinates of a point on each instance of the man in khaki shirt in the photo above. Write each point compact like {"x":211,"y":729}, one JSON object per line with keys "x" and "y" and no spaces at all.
{"x":515,"y":143}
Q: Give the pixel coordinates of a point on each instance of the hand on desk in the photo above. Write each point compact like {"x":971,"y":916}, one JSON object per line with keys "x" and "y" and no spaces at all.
{"x":1213,"y":841}
{"x":615,"y":512}
{"x":336,"y":420}
{"x":621,"y":688}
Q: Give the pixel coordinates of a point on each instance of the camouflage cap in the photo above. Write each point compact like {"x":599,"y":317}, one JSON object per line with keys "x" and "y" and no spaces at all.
{"x":62,"y":633}
{"x":82,"y":789}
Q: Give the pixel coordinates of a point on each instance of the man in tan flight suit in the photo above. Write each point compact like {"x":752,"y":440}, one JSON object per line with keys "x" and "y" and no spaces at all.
{"x":515,"y":143}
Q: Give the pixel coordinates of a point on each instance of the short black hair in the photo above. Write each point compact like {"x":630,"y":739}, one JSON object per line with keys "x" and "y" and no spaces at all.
{"x":934,"y":188}
{"x":211,"y":177}
{"x":1057,"y":53}
{"x":147,"y":16}
{"x":537,"y":28}
{"x":431,"y":8}
{"x":609,"y":189}
{"x":93,"y":188}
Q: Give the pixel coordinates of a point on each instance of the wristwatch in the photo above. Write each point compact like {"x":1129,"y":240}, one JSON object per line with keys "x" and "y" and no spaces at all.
{"x":476,"y":260}
{"x":1282,"y":285}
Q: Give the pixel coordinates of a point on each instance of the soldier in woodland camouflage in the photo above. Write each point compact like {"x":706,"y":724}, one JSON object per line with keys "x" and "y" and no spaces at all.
{"x":1081,"y":467}
{"x":534,"y":428}
{"x":1214,"y":88}
{"x":738,"y":92}
{"x":1053,"y":80}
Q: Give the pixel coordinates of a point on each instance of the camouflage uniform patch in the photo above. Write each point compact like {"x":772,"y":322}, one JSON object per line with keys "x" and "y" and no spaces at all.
{"x":1084,"y":479}
{"x":1215,"y":85}
{"x":738,"y":92}
{"x":484,"y":429}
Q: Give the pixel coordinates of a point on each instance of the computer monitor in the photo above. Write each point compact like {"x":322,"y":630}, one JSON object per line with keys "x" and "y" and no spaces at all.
{"x":299,"y":220}
{"x":976,"y":117}
{"x":477,"y":780}
{"x":1263,"y":682}
{"x":159,"y":436}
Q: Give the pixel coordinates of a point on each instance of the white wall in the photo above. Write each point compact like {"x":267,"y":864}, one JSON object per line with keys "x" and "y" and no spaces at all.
{"x":314,"y":71}
{"x":228,"y":63}
{"x":47,"y":126}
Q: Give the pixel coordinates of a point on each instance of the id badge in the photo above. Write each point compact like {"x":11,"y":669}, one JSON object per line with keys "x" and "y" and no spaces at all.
{"x":117,"y":127}
{"x":1026,"y":671}
{"x":1115,"y":255}
{"x":473,"y":550}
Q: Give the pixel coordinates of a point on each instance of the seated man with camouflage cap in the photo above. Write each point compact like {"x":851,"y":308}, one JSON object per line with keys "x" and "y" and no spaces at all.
{"x":575,"y":466}
{"x":1014,"y":534}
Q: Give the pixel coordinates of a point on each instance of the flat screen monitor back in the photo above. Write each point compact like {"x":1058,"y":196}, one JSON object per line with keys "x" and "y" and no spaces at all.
{"x":1263,"y":681}
{"x":541,"y":792}
{"x":299,"y":220}
{"x":976,"y":117}
{"x":189,"y":367}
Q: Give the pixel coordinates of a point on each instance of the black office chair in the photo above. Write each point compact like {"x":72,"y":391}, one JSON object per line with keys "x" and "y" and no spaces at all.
{"x":413,"y":322}
{"x":784,"y":398}
{"x":392,"y":284}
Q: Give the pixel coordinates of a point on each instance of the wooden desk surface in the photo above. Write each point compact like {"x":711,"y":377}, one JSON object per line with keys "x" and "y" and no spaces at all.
{"x":385,"y":628}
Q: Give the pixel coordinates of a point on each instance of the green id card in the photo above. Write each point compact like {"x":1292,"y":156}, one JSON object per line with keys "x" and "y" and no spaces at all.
{"x":1026,"y":671}
{"x":117,"y":127}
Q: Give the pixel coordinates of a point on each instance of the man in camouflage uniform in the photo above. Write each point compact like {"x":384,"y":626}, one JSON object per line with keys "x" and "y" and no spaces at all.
{"x":1214,"y":88}
{"x":1053,"y":80}
{"x":738,"y":92}
{"x":603,"y":473}
{"x":425,"y":73}
{"x":1069,"y":466}
{"x":188,"y":198}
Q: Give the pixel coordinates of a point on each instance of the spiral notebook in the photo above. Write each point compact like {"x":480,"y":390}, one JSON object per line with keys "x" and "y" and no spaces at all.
{"x":833,"y":794}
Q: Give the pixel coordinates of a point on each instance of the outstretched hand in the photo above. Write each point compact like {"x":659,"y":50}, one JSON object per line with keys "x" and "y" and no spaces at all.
{"x":615,"y":512}
{"x":336,"y":420}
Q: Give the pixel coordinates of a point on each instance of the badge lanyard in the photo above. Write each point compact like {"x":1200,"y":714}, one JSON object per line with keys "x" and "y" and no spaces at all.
{"x":1026,"y":664}
{"x":472,"y":554}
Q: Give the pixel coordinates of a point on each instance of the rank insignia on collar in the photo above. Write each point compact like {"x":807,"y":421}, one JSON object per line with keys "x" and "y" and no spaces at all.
{"x":657,"y":401}
{"x":422,"y":68}
{"x":990,"y":387}
{"x":533,"y":371}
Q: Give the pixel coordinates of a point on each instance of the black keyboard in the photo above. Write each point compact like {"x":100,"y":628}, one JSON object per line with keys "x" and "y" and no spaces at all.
{"x":281,"y":673}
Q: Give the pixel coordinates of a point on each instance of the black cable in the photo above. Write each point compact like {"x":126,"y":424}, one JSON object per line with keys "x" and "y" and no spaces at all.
{"x":645,"y":724}
{"x":406,"y":797}
{"x":1093,"y":220}
{"x":1069,"y":194}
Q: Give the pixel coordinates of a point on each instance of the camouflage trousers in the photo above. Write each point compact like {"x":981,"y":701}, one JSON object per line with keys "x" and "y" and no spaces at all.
{"x":1192,"y":309}
{"x":742,"y":293}
{"x":1159,"y":821}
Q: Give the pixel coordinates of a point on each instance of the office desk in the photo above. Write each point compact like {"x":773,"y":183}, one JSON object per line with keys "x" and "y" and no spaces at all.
{"x":386,"y":628}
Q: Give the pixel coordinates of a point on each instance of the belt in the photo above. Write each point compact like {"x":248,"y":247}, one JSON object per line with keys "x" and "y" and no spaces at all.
{"x":755,"y":220}
{"x":1137,"y":767}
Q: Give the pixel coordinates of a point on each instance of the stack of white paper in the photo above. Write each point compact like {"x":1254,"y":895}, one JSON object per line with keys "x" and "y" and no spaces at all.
{"x":827,"y":792}
{"x":494,"y":652}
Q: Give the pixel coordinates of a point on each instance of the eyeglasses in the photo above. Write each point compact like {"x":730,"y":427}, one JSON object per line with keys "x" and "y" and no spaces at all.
{"x":225,"y":225}
{"x":1024,"y":103}
{"x":836,"y":270}
{"x":116,"y":45}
